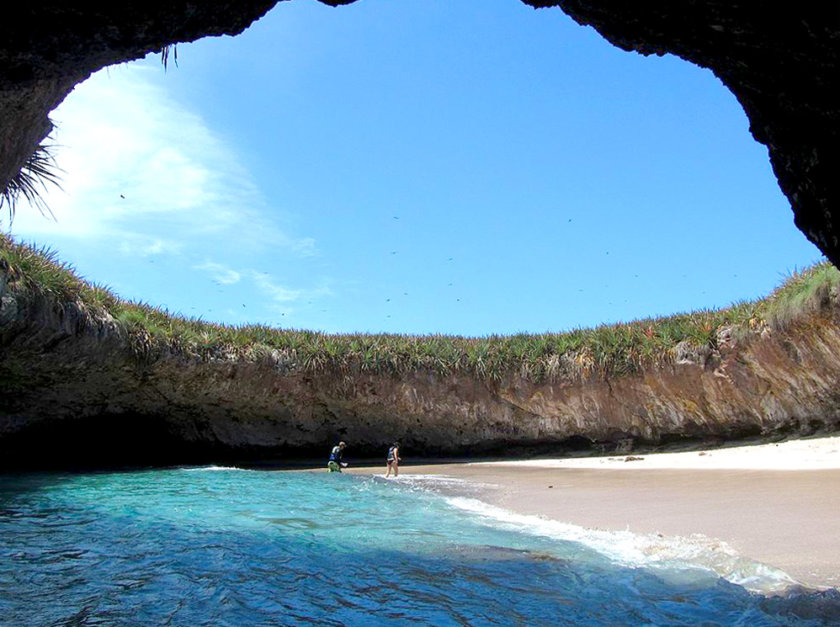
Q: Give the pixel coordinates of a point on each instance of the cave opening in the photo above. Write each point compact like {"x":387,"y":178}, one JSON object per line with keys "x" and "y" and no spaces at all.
{"x":418,"y":169}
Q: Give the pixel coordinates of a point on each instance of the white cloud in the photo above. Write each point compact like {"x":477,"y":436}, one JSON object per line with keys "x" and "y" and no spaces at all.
{"x":272,"y":290}
{"x":281,"y":294}
{"x":267,"y":286}
{"x":141,"y":246}
{"x":149,"y":176}
{"x":220,"y":273}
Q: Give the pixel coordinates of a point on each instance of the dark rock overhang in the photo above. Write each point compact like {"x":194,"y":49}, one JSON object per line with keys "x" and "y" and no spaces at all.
{"x":780,"y":62}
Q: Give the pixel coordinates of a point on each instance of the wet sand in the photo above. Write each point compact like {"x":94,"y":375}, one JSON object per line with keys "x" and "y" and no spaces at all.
{"x":777,"y":504}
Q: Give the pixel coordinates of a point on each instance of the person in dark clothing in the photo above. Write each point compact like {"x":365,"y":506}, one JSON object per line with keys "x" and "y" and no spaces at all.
{"x":393,"y":460}
{"x":335,"y":464}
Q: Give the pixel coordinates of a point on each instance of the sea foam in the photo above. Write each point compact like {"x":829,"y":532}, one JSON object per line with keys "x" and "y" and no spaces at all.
{"x":674,"y":558}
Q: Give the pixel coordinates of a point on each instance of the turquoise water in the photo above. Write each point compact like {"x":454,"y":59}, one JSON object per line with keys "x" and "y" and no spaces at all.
{"x":220,"y":546}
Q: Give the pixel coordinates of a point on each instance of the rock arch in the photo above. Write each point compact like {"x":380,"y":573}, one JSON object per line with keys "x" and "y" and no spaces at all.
{"x":781,"y":64}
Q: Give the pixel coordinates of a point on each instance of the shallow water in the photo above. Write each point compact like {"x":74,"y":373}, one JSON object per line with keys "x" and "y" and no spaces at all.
{"x":218,"y":546}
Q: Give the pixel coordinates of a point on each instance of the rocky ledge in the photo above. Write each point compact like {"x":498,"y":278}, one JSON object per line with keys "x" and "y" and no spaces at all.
{"x":78,"y":388}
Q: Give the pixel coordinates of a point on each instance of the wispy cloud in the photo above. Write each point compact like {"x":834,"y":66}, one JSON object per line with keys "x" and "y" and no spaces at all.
{"x":143,"y":246}
{"x":265,"y":285}
{"x":146,"y":179}
{"x":220,"y":272}
{"x":274,"y":291}
{"x":145,"y":173}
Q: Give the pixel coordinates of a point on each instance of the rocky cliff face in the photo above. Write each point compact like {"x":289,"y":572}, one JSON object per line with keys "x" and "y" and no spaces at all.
{"x":780,"y":62}
{"x":78,"y":389}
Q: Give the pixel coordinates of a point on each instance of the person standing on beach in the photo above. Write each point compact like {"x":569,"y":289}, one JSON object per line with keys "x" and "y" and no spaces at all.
{"x":335,"y":464}
{"x":393,"y":461}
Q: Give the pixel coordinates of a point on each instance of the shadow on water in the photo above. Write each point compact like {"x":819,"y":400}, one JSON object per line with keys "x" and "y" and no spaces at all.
{"x":15,"y":483}
{"x":203,"y":548}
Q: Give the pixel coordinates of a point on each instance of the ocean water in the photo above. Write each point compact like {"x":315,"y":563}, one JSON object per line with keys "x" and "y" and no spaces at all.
{"x":223,"y":546}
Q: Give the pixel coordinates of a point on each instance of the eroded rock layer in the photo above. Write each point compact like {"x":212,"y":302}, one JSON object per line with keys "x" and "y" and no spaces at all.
{"x":78,"y":389}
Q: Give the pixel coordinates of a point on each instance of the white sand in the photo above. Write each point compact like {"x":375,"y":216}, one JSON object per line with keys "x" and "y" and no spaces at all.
{"x":775,"y":503}
{"x":806,"y":454}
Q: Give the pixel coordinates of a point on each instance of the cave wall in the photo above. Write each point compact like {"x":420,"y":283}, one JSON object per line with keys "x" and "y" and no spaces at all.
{"x":781,"y":62}
{"x":61,"y":368}
{"x":77,"y":388}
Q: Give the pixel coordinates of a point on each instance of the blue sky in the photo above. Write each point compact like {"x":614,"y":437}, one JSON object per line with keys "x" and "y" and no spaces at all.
{"x":419,"y":166}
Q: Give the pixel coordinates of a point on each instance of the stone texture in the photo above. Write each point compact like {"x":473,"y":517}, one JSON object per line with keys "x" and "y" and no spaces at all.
{"x":77,"y":389}
{"x":72,"y":388}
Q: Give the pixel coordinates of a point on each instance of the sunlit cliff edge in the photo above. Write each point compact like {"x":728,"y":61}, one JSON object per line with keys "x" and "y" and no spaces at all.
{"x":87,"y":379}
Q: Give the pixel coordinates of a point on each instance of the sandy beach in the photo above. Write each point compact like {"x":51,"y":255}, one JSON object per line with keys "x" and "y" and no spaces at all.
{"x":778,"y":504}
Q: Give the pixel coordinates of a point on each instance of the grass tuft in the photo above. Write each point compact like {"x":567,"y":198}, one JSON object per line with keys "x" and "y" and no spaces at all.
{"x":802,"y":292}
{"x":607,"y":351}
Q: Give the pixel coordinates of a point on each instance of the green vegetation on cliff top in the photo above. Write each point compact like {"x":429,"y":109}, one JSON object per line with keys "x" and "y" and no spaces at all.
{"x":608,"y":350}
